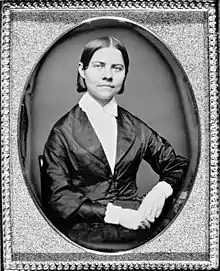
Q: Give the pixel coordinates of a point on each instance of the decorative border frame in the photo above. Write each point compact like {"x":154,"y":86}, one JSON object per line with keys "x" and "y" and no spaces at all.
{"x":210,"y":7}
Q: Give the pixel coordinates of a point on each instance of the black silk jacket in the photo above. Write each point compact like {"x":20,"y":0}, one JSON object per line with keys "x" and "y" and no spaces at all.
{"x":78,"y":182}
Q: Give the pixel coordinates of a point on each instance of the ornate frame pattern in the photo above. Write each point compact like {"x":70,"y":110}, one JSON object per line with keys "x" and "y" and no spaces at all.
{"x":210,"y":8}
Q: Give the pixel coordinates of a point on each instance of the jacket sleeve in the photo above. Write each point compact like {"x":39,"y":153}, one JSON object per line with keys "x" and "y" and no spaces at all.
{"x":63,"y":198}
{"x":161,"y":156}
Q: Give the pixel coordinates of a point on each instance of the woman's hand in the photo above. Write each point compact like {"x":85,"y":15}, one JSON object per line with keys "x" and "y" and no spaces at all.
{"x":128,"y":218}
{"x":152,"y":205}
{"x":133,"y":219}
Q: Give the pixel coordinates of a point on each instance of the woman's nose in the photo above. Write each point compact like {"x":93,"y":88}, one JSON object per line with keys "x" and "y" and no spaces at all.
{"x":107,"y":73}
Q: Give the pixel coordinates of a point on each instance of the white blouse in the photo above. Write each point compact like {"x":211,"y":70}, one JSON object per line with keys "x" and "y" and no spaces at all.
{"x":103,"y":120}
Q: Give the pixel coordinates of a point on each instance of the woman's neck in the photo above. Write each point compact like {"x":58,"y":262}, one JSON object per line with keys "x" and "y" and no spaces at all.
{"x":102,"y":102}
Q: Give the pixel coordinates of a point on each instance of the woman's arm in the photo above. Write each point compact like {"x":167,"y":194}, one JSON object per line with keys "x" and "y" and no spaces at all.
{"x":68,"y":201}
{"x":65,"y":199}
{"x":170,"y":167}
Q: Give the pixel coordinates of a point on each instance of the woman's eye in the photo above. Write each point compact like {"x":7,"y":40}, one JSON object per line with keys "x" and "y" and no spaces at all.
{"x":98,"y":66}
{"x":118,"y":68}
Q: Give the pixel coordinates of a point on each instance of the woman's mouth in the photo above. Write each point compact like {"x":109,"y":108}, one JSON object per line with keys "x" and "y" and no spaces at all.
{"x":106,"y":85}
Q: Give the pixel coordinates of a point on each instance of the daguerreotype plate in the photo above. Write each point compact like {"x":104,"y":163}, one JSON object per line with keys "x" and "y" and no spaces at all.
{"x":170,"y":84}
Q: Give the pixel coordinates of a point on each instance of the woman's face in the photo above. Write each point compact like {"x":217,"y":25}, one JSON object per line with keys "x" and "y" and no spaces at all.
{"x":105,"y":74}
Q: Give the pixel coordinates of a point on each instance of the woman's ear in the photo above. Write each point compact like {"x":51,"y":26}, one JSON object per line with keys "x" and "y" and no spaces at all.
{"x":81,"y":70}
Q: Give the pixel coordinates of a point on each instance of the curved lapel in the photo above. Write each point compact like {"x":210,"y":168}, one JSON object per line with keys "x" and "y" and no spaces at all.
{"x":86,"y":137}
{"x":126,"y":135}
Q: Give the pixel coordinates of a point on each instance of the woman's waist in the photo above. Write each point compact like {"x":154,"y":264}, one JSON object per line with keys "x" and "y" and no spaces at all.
{"x":111,"y":191}
{"x":129,"y":202}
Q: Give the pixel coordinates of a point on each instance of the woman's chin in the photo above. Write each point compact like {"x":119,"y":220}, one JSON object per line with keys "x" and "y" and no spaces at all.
{"x":105,"y":97}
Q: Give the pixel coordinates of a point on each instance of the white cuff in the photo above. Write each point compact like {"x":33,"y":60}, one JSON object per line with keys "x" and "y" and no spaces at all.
{"x":112,"y":214}
{"x":165,"y":188}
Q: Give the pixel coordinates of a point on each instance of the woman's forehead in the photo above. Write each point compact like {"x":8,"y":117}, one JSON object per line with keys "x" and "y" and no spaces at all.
{"x":108,"y":55}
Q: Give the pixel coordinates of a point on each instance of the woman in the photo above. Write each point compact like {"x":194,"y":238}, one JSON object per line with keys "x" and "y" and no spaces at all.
{"x":93,"y":154}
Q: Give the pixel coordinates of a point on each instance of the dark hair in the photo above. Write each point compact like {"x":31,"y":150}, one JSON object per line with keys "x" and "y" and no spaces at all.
{"x":91,"y":48}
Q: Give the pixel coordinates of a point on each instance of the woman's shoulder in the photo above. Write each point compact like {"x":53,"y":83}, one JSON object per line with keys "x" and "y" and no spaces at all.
{"x":66,"y":120}
{"x":63,"y":126}
{"x":139,"y":125}
{"x":133,"y":118}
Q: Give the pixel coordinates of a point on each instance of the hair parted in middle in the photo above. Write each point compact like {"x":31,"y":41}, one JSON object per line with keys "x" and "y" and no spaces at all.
{"x":91,"y":48}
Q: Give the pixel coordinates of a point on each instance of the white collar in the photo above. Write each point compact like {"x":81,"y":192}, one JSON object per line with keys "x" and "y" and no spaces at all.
{"x":88,"y":104}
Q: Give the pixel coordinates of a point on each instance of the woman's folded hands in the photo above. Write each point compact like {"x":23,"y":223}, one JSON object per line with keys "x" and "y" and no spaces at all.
{"x":152,"y":204}
{"x":150,"y":209}
{"x":128,"y":218}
